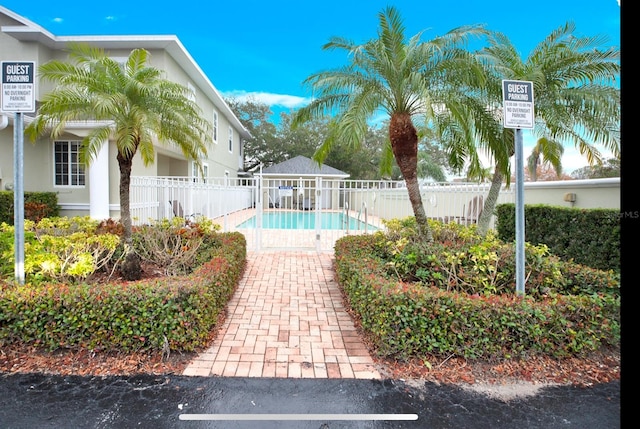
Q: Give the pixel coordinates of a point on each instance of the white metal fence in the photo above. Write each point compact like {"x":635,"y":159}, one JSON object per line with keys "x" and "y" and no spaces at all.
{"x":309,"y":213}
{"x":165,"y":197}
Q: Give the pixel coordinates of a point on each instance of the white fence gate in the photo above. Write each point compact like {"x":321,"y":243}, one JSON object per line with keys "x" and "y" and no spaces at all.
{"x":300,"y":213}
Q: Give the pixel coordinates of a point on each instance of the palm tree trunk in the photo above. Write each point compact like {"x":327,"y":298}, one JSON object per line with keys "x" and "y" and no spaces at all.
{"x":413,"y":189}
{"x":404,"y":143}
{"x":490,"y":203}
{"x":131,"y":268}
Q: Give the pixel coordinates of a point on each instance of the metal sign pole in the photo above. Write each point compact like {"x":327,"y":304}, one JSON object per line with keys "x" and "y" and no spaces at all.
{"x":18,"y":197}
{"x":18,"y":96}
{"x":520,"y":255}
{"x":518,"y":112}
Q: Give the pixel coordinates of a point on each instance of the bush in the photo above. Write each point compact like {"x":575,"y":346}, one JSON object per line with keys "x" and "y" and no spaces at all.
{"x":461,"y":260}
{"x":587,"y":236}
{"x":172,"y":313}
{"x":59,"y":249}
{"x":37,"y":206}
{"x":452,"y":297}
{"x":73,"y":249}
{"x":173,"y":245}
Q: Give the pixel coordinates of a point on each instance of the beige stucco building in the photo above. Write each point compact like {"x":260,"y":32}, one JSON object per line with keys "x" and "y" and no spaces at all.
{"x":52,"y":166}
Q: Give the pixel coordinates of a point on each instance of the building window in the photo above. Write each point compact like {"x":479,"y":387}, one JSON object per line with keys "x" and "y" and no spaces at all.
{"x":215,"y":126}
{"x":192,"y":92}
{"x":69,"y":171}
{"x":230,"y":139}
{"x":121,"y":60}
{"x":196,"y":172}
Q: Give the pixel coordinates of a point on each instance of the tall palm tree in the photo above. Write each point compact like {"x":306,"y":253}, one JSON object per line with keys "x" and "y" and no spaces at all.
{"x":136,"y":108}
{"x":387,"y":74}
{"x":575,"y":101}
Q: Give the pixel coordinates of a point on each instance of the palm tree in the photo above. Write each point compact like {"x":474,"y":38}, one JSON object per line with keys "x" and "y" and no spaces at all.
{"x":575,"y":101}
{"x":135,"y":107}
{"x":547,"y":151}
{"x":402,"y":78}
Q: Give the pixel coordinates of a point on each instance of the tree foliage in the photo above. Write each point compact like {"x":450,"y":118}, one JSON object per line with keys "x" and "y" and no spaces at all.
{"x":256,"y":118}
{"x":399,"y":76}
{"x":576,"y":102}
{"x":609,"y":168}
{"x":274,"y":143}
{"x":132,"y":105}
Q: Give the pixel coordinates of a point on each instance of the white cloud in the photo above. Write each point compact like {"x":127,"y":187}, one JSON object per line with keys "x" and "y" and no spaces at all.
{"x":57,"y":20}
{"x":280,"y":100}
{"x":110,"y":18}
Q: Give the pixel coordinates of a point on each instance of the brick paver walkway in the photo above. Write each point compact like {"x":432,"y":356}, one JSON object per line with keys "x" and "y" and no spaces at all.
{"x":287,"y":319}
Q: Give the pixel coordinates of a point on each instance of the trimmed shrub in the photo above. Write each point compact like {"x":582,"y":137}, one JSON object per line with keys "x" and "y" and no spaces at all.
{"x":407,"y":319}
{"x":587,"y":236}
{"x":172,"y":313}
{"x":37,"y":206}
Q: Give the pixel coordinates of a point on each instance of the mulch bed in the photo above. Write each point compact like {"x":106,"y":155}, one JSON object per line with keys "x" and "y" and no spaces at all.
{"x":599,"y":368}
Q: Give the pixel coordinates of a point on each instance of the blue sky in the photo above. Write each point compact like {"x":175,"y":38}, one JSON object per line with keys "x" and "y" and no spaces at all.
{"x":266,"y":49}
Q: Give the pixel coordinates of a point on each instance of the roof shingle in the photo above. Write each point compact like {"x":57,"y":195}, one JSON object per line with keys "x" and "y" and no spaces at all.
{"x":302,"y":166}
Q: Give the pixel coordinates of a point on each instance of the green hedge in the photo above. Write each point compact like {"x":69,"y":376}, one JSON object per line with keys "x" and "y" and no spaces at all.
{"x":37,"y":205}
{"x":174,"y":313}
{"x":411,"y":320}
{"x":588,"y":236}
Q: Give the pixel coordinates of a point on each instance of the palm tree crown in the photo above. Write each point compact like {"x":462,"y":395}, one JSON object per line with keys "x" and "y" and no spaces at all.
{"x":575,"y":101}
{"x":574,"y":79}
{"x":389,"y":74}
{"x":132,"y":104}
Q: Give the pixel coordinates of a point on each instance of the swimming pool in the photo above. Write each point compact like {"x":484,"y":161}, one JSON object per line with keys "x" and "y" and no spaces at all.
{"x":305,"y":220}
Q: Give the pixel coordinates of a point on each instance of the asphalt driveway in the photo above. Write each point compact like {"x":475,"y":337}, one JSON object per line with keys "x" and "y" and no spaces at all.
{"x":41,"y":401}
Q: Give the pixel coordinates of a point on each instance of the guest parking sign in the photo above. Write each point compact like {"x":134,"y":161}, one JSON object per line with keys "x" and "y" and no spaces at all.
{"x":517,"y":103}
{"x":18,"y":93}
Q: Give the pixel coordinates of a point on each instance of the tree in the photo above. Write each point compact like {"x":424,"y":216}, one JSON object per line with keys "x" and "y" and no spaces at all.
{"x":301,"y":140}
{"x":133,"y":105}
{"x":262,"y":147}
{"x":362,"y":163}
{"x":271,"y":144}
{"x":575,"y":97}
{"x":545,"y":152}
{"x":609,"y":168}
{"x":544,"y":173}
{"x":386,"y":74}
{"x":432,"y":159}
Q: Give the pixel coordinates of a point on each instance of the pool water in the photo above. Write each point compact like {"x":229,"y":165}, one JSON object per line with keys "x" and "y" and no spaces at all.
{"x":305,"y":220}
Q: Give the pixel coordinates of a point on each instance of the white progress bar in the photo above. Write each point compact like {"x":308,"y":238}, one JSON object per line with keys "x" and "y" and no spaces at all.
{"x":266,"y":417}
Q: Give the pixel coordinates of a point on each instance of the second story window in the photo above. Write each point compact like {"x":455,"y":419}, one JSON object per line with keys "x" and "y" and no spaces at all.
{"x":215,"y":126}
{"x":230,"y":139}
{"x":192,"y":92}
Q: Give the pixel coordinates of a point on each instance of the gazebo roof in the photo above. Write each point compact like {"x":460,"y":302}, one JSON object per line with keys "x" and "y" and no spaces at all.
{"x":301,"y":166}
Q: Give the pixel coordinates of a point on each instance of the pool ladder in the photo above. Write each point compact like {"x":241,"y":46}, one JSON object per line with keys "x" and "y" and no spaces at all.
{"x":363,"y":209}
{"x":346,"y":217}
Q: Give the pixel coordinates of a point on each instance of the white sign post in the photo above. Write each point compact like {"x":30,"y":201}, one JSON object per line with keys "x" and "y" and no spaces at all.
{"x":518,"y":113}
{"x":18,"y":96}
